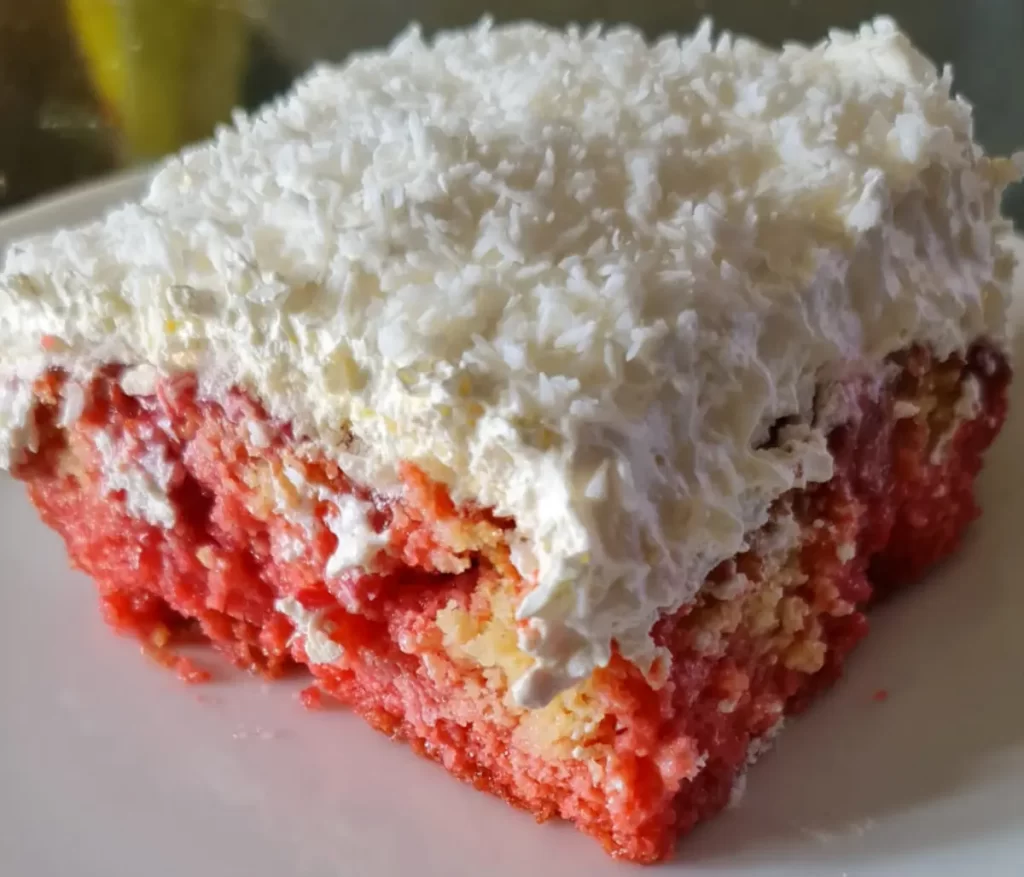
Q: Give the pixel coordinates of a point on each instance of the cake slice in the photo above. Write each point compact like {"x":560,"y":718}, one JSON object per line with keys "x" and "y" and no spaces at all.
{"x":559,"y":400}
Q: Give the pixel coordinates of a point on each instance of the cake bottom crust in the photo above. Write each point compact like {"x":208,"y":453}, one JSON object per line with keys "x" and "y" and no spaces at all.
{"x":188,"y":515}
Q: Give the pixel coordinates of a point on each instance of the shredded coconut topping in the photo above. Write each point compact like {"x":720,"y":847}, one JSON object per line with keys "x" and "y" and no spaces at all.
{"x":576,"y":277}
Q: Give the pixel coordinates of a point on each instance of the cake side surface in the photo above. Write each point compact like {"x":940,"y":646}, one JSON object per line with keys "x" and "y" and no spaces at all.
{"x":573,"y":277}
{"x":204,"y":518}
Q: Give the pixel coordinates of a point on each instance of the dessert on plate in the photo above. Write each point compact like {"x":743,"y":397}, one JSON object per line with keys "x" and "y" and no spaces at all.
{"x":559,"y":399}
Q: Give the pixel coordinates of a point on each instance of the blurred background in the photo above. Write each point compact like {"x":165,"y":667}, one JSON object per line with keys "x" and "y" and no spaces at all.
{"x":91,"y":86}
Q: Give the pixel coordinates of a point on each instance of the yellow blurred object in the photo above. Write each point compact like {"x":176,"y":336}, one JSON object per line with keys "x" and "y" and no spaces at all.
{"x":167,"y":71}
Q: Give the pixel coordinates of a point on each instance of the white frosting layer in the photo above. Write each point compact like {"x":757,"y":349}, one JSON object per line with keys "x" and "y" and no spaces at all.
{"x":575,"y":277}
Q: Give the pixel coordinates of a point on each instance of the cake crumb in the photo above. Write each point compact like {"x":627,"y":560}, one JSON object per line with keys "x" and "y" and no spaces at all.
{"x":312,"y":698}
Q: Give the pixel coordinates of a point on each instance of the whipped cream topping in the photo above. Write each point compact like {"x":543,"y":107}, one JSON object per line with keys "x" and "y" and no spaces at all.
{"x":348,"y":518}
{"x":357,"y":540}
{"x":576,"y":277}
{"x":143,"y":480}
{"x":17,"y":429}
{"x":314,"y":630}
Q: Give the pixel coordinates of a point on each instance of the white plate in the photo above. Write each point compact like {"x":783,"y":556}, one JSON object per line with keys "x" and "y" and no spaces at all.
{"x":110,"y":767}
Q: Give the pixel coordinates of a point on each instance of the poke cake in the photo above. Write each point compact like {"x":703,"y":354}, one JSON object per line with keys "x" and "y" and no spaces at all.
{"x":559,"y":399}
